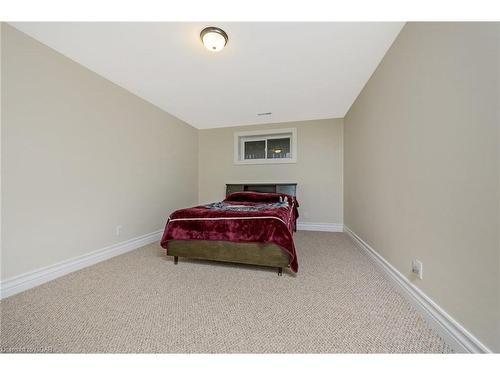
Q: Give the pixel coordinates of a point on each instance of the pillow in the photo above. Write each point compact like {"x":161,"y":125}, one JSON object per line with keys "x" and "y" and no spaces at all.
{"x":252,"y":196}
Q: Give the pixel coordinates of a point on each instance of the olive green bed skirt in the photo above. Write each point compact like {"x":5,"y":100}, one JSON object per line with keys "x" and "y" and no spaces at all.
{"x":255,"y":253}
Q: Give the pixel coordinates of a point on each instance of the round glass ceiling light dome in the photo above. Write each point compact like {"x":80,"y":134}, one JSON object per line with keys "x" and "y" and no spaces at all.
{"x":213,"y":38}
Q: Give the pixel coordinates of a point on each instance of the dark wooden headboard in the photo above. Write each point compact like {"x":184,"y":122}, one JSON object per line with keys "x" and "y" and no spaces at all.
{"x":284,"y":188}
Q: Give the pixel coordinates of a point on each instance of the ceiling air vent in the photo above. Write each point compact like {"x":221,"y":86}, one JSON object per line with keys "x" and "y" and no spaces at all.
{"x":264,"y":114}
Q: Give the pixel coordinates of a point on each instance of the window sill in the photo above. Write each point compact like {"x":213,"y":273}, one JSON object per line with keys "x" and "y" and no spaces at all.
{"x":265,"y":161}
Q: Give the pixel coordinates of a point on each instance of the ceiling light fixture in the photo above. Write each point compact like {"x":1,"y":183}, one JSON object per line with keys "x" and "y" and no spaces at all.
{"x":213,"y":38}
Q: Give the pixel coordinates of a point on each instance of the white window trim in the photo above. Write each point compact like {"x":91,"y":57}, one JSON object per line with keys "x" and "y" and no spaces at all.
{"x":266,"y":134}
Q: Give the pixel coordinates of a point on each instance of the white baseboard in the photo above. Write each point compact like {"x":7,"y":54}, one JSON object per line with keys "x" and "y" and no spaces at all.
{"x":34,"y":278}
{"x":321,"y":227}
{"x":449,"y":329}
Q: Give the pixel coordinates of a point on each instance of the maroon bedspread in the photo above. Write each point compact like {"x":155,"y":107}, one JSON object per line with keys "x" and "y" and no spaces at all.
{"x":241,"y":217}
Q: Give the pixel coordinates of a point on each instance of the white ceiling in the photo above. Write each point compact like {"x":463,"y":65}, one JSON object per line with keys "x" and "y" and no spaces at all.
{"x":297,"y":71}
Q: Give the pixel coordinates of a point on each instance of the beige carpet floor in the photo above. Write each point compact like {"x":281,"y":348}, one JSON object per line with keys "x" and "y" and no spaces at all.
{"x":141,"y":302}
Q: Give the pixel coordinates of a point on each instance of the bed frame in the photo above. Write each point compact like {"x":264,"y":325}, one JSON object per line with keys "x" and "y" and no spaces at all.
{"x":255,"y":253}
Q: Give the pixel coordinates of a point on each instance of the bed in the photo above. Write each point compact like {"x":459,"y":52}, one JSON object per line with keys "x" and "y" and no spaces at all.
{"x":254,"y":225}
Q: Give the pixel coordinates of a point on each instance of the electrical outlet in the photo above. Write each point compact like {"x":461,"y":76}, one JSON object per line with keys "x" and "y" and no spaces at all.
{"x":118,"y":230}
{"x":417,"y":268}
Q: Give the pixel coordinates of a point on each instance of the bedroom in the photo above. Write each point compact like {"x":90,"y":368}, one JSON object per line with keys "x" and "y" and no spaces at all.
{"x":337,"y":197}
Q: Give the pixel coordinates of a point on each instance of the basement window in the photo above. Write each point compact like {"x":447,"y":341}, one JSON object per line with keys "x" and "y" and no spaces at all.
{"x":265,"y":146}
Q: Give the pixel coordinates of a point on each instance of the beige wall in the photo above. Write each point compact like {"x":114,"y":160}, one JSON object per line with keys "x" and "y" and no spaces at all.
{"x":1,"y":116}
{"x":318,"y":171}
{"x":81,"y":155}
{"x":422,"y":166}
